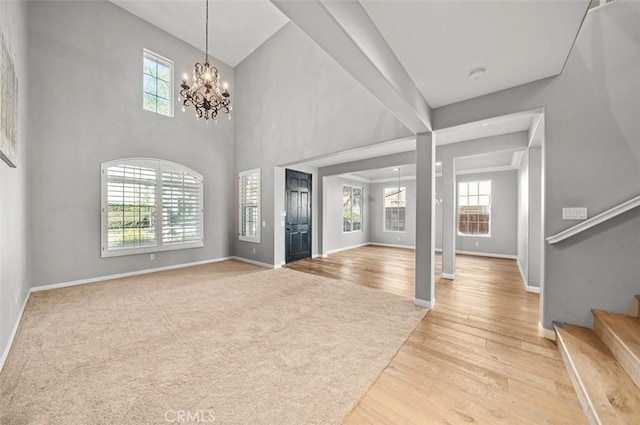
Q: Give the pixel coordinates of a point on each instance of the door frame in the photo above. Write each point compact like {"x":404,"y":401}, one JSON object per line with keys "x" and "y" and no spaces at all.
{"x":310,"y":206}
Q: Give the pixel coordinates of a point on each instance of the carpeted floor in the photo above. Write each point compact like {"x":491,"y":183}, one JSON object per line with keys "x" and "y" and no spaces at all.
{"x":225,"y":347}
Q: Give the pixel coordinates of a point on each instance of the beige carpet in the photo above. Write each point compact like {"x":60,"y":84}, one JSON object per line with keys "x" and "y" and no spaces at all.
{"x":268,"y":347}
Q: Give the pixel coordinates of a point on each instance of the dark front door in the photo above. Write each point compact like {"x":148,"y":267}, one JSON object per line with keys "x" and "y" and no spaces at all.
{"x":298,"y":230}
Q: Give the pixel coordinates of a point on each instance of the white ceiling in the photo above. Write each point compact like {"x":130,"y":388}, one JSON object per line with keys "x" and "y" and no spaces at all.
{"x":440,"y":42}
{"x":236,"y":28}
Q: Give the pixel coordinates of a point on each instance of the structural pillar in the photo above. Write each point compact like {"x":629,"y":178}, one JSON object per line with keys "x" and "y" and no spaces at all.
{"x":449,"y":220}
{"x":425,"y":220}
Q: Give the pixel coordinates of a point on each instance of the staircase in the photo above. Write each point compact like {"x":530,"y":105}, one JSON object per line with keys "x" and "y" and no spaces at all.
{"x":604,"y":366}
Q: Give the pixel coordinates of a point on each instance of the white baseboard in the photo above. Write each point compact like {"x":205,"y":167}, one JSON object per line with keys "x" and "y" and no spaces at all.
{"x":257,"y":263}
{"x":389,"y":245}
{"x":449,"y":276}
{"x":333,"y":251}
{"x":424,"y":303}
{"x":534,"y":289}
{"x":487,"y":254}
{"x":546,"y":333}
{"x":121,"y":275}
{"x":14,"y":331}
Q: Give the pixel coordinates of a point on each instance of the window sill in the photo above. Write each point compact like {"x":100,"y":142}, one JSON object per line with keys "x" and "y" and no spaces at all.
{"x":248,"y":239}
{"x":151,"y":249}
{"x":473,"y":236}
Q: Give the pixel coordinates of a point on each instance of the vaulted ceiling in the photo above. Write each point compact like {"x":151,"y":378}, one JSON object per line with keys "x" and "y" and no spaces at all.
{"x":439,"y":43}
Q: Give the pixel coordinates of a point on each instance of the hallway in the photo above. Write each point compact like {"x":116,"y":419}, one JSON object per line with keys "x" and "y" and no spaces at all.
{"x":476,"y":357}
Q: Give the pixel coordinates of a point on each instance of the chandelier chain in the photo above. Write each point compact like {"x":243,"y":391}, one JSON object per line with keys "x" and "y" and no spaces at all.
{"x":206,"y":31}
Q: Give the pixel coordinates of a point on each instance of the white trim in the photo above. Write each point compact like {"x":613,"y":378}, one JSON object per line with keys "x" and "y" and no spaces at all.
{"x":257,"y":263}
{"x":424,"y":303}
{"x":487,"y":254}
{"x":450,"y":276}
{"x":333,"y":251}
{"x":533,"y":289}
{"x":594,"y":221}
{"x":524,"y":278}
{"x":14,"y":331}
{"x":393,"y":179}
{"x":486,"y":170}
{"x":121,"y":275}
{"x":350,"y":176}
{"x":250,"y":173}
{"x":390,"y":245}
{"x":546,"y":333}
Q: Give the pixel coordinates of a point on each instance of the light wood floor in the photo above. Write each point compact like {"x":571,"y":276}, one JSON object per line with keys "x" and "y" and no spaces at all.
{"x":474,"y":358}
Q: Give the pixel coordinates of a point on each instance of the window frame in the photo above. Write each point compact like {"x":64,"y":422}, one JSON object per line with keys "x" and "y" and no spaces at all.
{"x":490,"y":222}
{"x":351,"y":187}
{"x":160,"y":165}
{"x":384,"y":209}
{"x":148,"y":54}
{"x":258,"y":237}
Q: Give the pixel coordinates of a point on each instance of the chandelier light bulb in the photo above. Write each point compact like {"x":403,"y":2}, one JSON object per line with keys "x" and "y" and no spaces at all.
{"x":229,"y":116}
{"x":183,"y":109}
{"x":185,"y":76}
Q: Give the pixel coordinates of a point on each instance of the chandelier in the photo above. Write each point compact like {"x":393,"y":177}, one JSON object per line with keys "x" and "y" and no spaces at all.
{"x":205,"y":94}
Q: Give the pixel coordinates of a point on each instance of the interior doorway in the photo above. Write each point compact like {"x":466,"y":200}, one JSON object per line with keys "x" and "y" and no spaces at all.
{"x":298,"y":215}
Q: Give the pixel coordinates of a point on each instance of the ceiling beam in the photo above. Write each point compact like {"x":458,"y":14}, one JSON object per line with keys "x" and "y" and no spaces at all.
{"x":347,"y":33}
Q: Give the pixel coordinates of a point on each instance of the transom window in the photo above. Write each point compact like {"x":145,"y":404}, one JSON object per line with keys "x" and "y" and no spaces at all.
{"x":474,"y":208}
{"x":249,"y":206}
{"x":351,"y":209}
{"x":395,"y":205}
{"x":150,"y":205}
{"x":157,"y":80}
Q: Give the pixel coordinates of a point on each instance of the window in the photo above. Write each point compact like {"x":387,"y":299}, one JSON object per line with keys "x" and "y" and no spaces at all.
{"x":474,"y":208}
{"x":351,"y":209}
{"x":157,"y":80}
{"x":250,"y":206}
{"x":150,"y":205}
{"x":395,"y":205}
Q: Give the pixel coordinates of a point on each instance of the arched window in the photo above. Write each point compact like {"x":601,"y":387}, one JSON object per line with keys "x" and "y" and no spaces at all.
{"x":150,"y":205}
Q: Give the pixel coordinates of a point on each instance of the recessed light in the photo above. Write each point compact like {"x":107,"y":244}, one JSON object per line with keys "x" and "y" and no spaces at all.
{"x":485,"y":124}
{"x":396,"y":169}
{"x":439,"y":163}
{"x":477,"y":73}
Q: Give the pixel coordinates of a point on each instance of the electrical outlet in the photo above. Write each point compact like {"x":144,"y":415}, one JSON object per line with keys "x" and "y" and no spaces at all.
{"x":152,"y":257}
{"x":254,"y":250}
{"x":477,"y":243}
{"x":264,"y":224}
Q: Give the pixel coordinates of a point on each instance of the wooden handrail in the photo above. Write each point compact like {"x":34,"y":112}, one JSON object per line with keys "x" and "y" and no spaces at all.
{"x":595,"y":220}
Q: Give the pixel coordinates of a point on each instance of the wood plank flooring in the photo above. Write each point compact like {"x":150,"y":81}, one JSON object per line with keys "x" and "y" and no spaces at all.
{"x":475,"y":357}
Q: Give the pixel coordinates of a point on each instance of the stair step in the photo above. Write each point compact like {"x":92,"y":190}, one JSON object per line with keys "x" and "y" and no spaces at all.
{"x":621,"y":333}
{"x":606,"y":392}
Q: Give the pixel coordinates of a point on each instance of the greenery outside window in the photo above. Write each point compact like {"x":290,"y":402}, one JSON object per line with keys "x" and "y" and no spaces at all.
{"x":157,"y":81}
{"x":150,"y":205}
{"x":351,"y":209}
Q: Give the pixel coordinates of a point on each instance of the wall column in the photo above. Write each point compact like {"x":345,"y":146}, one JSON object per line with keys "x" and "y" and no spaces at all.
{"x":449,"y":218}
{"x":425,"y":219}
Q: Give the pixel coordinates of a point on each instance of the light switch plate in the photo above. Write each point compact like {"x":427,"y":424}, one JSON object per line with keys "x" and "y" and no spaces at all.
{"x":574,"y":213}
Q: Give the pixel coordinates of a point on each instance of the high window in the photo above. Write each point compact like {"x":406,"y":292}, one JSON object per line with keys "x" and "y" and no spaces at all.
{"x":351,"y":209}
{"x":249,"y":206}
{"x":474,"y":208}
{"x":395,"y":205}
{"x":150,"y":205}
{"x":157,"y":80}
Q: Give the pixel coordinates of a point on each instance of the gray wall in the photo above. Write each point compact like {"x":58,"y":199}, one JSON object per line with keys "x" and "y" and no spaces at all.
{"x":294,"y":102}
{"x":378,"y":235}
{"x":592,"y":159}
{"x":503,"y":215}
{"x":334,"y":238}
{"x":86,"y":92}
{"x":14,"y":203}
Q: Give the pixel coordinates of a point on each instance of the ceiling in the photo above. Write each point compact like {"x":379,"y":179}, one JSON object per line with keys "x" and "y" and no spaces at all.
{"x":236,"y":28}
{"x":494,"y":161}
{"x":440,"y":42}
